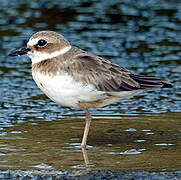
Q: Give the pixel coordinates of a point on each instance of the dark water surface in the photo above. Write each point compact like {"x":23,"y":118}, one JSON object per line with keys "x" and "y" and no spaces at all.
{"x":143,"y":132}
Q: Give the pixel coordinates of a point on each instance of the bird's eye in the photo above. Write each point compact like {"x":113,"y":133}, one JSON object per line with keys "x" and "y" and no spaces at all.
{"x":42,"y":43}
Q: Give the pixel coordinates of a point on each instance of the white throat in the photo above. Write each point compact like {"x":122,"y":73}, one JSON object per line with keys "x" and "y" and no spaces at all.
{"x":40,"y":56}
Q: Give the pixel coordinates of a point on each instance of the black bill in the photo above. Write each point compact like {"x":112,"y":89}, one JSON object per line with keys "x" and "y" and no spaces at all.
{"x":19,"y":52}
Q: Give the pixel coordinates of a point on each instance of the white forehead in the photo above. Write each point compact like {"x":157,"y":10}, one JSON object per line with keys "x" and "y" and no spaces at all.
{"x":33,"y":41}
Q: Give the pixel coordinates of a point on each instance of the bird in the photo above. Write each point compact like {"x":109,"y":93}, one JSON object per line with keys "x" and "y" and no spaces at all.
{"x":78,"y":79}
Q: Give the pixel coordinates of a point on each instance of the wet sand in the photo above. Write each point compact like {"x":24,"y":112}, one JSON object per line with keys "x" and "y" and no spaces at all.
{"x":85,"y":174}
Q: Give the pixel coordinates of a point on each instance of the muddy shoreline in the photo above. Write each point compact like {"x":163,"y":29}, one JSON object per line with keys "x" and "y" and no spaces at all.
{"x":85,"y":174}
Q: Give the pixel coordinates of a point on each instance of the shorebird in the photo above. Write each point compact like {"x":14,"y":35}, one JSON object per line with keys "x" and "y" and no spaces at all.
{"x":78,"y":79}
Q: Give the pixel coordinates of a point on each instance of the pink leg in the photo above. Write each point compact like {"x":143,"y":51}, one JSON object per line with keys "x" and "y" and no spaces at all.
{"x":85,"y":156}
{"x":86,"y":130}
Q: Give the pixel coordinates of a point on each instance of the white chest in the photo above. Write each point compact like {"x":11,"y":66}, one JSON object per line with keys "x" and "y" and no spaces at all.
{"x":63,"y":89}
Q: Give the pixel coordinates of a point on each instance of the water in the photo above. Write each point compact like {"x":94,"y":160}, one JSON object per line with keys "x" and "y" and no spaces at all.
{"x":143,"y":132}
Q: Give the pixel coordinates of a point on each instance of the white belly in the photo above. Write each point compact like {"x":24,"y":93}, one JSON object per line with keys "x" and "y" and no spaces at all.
{"x":63,"y":89}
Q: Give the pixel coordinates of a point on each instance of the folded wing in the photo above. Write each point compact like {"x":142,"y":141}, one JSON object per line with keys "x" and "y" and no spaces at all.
{"x":108,"y":76}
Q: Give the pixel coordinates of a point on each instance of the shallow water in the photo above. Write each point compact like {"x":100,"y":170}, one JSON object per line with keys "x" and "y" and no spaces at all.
{"x":150,"y":142}
{"x":143,"y":132}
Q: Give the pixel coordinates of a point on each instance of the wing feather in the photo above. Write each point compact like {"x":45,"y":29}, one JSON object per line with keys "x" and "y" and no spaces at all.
{"x":108,"y":76}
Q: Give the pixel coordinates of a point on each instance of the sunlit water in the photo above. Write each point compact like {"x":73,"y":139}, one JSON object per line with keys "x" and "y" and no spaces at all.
{"x":143,"y":132}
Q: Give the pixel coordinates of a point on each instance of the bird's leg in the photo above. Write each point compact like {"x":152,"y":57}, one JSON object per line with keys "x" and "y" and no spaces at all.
{"x":86,"y":130}
{"x":85,"y":156}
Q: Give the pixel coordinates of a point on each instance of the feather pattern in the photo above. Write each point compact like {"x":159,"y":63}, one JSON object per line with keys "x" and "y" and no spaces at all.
{"x":103,"y":74}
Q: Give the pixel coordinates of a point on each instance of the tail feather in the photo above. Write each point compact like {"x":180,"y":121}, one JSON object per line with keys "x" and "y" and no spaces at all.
{"x":147,"y":82}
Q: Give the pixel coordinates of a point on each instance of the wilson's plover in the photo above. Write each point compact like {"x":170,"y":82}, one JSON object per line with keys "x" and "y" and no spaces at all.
{"x":77,"y":79}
